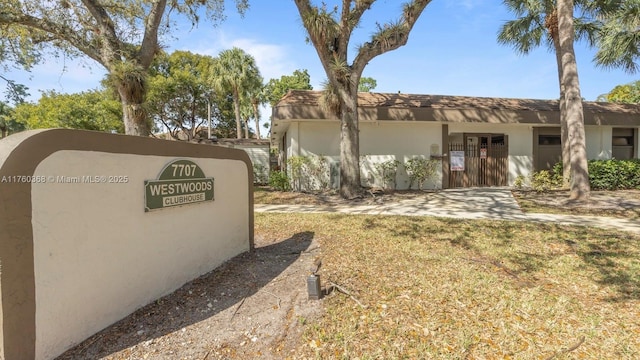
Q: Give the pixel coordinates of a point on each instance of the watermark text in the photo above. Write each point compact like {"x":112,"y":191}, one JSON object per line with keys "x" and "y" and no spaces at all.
{"x":62,"y":179}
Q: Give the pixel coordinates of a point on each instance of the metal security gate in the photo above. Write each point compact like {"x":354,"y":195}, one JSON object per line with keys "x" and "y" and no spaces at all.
{"x":482,"y":160}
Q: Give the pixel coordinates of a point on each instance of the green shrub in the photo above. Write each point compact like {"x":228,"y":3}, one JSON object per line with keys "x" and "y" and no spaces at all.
{"x":309,"y":173}
{"x":557,"y":171}
{"x":520,"y":182}
{"x":614,"y":174}
{"x":420,"y":170}
{"x":544,"y":180}
{"x":279,"y":181}
{"x":388,"y":170}
{"x":319,"y":172}
{"x":606,"y":174}
{"x":297,"y":166}
{"x":260,"y":174}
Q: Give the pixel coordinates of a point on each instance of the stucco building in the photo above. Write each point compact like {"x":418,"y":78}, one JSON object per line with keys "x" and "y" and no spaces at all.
{"x":479,"y":141}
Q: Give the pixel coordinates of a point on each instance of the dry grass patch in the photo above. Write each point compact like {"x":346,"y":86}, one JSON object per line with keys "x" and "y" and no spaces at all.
{"x":265,"y":195}
{"x":451,"y":289}
{"x":621,"y":204}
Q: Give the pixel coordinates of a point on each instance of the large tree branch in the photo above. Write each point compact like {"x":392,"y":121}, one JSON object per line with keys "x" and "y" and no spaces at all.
{"x":361,"y":7}
{"x":391,"y":37}
{"x":348,"y":22}
{"x":56,"y":31}
{"x":149,"y":45}
{"x":346,"y":27}
{"x":317,"y":33}
{"x":106,"y":31}
{"x":78,"y":12}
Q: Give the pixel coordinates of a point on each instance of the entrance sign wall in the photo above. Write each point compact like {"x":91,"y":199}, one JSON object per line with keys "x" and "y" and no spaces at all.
{"x":79,"y":252}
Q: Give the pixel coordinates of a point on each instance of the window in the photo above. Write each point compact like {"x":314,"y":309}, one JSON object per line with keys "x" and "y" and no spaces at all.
{"x":497,"y":140}
{"x":549,"y":140}
{"x":622,"y":142}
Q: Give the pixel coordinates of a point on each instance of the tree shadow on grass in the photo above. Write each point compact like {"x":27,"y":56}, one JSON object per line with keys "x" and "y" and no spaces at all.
{"x":618,"y":265}
{"x":615,"y":256}
{"x":223,"y":288}
{"x":415,"y":227}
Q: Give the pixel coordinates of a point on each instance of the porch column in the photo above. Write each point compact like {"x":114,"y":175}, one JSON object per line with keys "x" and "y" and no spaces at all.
{"x":636,"y":137}
{"x":445,"y":156}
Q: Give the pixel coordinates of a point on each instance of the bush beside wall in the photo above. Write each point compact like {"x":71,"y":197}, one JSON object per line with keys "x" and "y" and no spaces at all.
{"x":603,"y":175}
{"x":614,"y":174}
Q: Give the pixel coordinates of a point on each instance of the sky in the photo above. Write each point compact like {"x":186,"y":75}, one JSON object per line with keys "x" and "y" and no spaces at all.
{"x":452,"y":50}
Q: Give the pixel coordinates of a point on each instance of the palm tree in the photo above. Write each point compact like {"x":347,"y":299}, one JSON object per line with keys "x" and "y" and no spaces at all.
{"x":619,"y":39}
{"x":246,"y":113}
{"x":235,"y":72}
{"x":537,"y":24}
{"x":257,"y":97}
{"x":574,"y":116}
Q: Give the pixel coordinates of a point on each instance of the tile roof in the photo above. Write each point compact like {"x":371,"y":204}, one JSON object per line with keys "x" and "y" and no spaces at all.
{"x":397,"y":100}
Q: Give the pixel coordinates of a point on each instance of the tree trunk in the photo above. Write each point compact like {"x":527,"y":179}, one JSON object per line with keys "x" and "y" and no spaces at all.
{"x":134,"y":116}
{"x":350,"y":186}
{"x":564,"y":138}
{"x":551,"y":22}
{"x":579,"y":187}
{"x":236,"y":109}
{"x":246,"y":128}
{"x":566,"y":144}
{"x":255,"y":116}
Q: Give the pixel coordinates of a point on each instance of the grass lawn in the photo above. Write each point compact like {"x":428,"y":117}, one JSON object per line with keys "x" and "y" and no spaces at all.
{"x":438,"y":288}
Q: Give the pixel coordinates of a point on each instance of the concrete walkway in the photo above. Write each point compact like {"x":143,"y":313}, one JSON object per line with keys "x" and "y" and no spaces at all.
{"x":475,"y":203}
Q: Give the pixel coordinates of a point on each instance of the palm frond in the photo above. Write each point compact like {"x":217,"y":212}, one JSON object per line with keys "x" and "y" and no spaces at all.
{"x":619,"y":48}
{"x":619,"y":38}
{"x":524,"y":34}
{"x":587,"y":30}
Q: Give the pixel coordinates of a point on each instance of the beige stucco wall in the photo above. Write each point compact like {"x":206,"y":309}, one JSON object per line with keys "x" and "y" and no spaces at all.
{"x":1,"y":318}
{"x":520,"y":152}
{"x":414,"y":138}
{"x":259,"y":156}
{"x":293,"y":142}
{"x":379,"y":142}
{"x":387,"y":140}
{"x":382,"y":141}
{"x":315,"y":138}
{"x":99,"y":256}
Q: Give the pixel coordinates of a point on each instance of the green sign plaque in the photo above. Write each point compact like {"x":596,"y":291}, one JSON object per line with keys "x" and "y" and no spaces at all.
{"x":181,"y":182}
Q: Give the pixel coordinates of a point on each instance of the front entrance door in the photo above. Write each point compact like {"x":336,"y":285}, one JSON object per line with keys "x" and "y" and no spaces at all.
{"x":481,"y":160}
